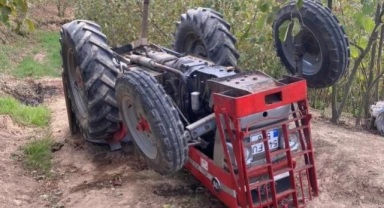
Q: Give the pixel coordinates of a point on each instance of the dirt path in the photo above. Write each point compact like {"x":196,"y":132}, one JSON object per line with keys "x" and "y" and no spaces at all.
{"x":17,"y":187}
{"x":349,"y":170}
{"x":349,"y":167}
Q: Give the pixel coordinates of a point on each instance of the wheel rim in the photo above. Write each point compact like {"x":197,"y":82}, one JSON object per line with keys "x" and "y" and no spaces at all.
{"x":76,"y":83}
{"x":312,"y":54}
{"x":194,"y":45}
{"x":139,"y":127}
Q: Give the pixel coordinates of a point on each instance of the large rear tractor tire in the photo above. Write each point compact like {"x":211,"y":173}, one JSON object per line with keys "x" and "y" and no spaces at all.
{"x":204,"y":32}
{"x":152,"y":120}
{"x":90,"y":75}
{"x":326,"y":48}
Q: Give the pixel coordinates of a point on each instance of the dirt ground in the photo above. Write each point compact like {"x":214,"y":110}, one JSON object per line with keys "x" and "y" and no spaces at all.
{"x":348,"y":162}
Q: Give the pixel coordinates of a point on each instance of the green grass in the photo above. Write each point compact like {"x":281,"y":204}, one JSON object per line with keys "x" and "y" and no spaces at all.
{"x":26,"y":115}
{"x":18,"y":60}
{"x":38,"y":155}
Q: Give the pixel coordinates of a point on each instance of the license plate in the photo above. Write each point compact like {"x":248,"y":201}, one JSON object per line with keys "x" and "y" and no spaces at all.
{"x":273,"y":141}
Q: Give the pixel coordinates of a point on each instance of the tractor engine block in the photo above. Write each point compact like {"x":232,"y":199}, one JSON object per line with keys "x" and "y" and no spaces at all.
{"x":191,"y":94}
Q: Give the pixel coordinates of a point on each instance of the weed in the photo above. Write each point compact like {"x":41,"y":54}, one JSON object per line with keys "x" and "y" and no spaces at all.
{"x":38,"y":155}
{"x":20,"y":56}
{"x":26,"y":115}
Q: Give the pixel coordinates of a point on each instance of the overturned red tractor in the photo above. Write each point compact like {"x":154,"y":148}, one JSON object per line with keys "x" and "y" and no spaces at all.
{"x":245,"y":135}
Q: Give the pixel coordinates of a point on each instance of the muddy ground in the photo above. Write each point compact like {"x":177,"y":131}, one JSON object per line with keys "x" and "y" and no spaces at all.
{"x":85,"y":175}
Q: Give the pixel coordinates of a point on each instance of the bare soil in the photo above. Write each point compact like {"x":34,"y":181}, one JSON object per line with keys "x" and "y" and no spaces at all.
{"x":85,"y":175}
{"x":46,"y":16}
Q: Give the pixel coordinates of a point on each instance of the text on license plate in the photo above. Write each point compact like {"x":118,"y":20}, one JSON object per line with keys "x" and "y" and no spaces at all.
{"x":273,"y":140}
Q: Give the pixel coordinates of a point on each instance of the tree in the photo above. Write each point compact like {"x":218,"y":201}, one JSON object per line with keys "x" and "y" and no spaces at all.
{"x":15,"y":11}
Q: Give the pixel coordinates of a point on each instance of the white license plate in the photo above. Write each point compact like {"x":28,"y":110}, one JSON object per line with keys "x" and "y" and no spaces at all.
{"x":273,"y":140}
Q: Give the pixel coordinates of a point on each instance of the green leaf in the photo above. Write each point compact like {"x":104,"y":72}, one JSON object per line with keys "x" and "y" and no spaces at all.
{"x":296,"y":26}
{"x":382,"y":18}
{"x":260,"y":22}
{"x":283,"y":30}
{"x":271,"y":18}
{"x":23,"y":5}
{"x":236,"y":6}
{"x":369,"y":25}
{"x":359,"y":19}
{"x":30,"y":24}
{"x":299,"y":3}
{"x":264,"y":5}
{"x":354,"y":52}
{"x":362,"y":42}
{"x":5,"y":12}
{"x":364,"y":22}
{"x":368,"y":7}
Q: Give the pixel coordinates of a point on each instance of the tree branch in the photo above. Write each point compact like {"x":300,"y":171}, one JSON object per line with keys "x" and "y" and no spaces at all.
{"x":357,"y":46}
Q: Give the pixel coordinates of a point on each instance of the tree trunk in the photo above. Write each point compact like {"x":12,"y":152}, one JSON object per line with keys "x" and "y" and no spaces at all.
{"x":334,"y":118}
{"x":377,"y":95}
{"x":347,"y":89}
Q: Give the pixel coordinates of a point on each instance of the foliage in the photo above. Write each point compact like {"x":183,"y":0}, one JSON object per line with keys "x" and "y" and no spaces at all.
{"x":15,"y":11}
{"x":62,"y":5}
{"x":26,"y":115}
{"x":38,"y":155}
{"x":251,"y":24}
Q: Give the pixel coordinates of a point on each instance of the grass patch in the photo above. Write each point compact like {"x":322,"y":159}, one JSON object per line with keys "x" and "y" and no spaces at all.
{"x":26,"y":115}
{"x":18,"y":59}
{"x":38,"y":155}
{"x":28,"y":67}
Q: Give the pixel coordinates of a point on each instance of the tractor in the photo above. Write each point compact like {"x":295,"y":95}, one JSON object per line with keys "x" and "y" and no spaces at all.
{"x":243,"y":134}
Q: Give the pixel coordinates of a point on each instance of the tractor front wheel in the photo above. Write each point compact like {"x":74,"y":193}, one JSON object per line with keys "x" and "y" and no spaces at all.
{"x":325,"y":49}
{"x":152,"y":120}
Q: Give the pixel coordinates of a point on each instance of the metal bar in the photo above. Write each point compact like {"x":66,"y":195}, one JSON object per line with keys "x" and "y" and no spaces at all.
{"x":226,"y":152}
{"x":301,"y":186}
{"x":308,"y":138}
{"x":309,"y":185}
{"x":241,"y":191}
{"x":153,"y":65}
{"x":270,"y":169}
{"x":202,"y":126}
{"x":241,"y":163}
{"x":290,"y":164}
{"x":144,"y":22}
{"x":259,"y":195}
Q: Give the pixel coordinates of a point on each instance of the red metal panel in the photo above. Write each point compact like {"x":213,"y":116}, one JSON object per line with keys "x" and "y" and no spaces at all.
{"x":232,"y":109}
{"x":237,"y":107}
{"x":222,"y":176}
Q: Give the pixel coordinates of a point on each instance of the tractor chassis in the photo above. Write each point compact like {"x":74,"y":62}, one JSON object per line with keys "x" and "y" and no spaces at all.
{"x":232,"y":102}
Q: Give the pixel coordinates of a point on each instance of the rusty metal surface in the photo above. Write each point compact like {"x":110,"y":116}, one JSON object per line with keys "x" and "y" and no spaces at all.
{"x":244,"y":83}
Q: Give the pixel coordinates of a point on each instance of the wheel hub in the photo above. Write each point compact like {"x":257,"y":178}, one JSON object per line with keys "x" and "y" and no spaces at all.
{"x":79,"y":80}
{"x":139,"y":127}
{"x":143,"y":125}
{"x":76,"y":83}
